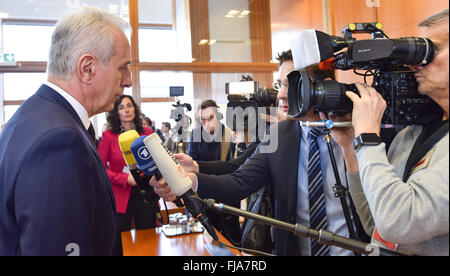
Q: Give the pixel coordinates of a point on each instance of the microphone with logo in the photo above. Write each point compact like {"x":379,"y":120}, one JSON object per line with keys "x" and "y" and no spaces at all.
{"x":146,"y":164}
{"x":177,"y":180}
{"x":142,"y":179}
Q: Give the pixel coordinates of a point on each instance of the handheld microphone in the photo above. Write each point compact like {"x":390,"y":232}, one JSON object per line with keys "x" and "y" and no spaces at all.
{"x":143,"y":158}
{"x":145,"y":162}
{"x":177,"y":179}
{"x":142,"y":180}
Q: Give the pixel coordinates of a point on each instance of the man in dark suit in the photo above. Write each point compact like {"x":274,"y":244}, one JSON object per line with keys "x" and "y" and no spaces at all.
{"x":286,"y":167}
{"x":55,"y":196}
{"x":212,"y":140}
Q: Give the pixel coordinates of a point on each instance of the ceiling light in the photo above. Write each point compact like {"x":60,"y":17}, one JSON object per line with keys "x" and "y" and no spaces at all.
{"x":212,"y":41}
{"x":245,"y":12}
{"x":203,"y":42}
{"x":229,"y":16}
{"x":233,"y":12}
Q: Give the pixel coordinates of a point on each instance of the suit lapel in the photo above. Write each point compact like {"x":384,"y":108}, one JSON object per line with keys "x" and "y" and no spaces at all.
{"x":291,"y":146}
{"x":53,"y":96}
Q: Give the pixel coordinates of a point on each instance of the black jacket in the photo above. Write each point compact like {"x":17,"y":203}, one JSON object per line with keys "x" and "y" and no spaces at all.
{"x":280,"y":168}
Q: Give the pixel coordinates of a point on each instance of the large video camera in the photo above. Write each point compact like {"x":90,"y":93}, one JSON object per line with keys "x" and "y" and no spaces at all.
{"x":247,"y":103}
{"x":383,"y":58}
{"x":179,"y":116}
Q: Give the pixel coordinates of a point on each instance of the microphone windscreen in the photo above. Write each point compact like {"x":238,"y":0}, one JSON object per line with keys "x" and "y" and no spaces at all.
{"x":176,"y":178}
{"x":125,"y":141}
{"x":143,"y":158}
{"x":310,"y":47}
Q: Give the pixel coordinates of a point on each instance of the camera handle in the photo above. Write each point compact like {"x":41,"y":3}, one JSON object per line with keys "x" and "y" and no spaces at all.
{"x":339,"y":190}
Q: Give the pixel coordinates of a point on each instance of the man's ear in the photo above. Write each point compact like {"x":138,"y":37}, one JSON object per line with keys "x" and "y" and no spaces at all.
{"x":86,"y":68}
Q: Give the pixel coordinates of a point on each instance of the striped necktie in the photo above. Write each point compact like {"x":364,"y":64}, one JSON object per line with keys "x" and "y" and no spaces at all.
{"x":317,"y":207}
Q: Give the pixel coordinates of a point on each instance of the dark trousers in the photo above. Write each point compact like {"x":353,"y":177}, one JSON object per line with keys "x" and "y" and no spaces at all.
{"x":142,"y":213}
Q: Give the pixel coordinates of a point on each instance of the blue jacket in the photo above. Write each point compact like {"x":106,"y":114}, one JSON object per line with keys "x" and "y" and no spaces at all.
{"x":55,"y":196}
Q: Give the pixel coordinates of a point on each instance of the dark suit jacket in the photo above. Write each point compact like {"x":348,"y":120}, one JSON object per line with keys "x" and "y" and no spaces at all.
{"x":279,"y":167}
{"x":55,"y":196}
{"x":206,"y":151}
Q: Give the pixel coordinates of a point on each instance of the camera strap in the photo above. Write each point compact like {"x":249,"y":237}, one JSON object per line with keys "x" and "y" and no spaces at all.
{"x":424,"y":143}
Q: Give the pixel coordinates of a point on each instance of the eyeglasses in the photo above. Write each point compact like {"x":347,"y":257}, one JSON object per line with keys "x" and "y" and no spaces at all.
{"x":278,"y":84}
{"x":207,"y":119}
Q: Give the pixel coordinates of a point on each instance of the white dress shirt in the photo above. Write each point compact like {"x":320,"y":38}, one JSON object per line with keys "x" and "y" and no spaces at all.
{"x":335,"y":216}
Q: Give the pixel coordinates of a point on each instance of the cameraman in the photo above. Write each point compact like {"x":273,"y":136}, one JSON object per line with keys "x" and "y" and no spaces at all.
{"x":405,"y":209}
{"x":287,"y":169}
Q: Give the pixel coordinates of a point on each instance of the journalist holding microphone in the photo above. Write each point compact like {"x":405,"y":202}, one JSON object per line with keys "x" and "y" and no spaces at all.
{"x":402,"y":197}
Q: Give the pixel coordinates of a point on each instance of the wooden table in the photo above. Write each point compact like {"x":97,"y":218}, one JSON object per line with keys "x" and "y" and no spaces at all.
{"x":153,"y":242}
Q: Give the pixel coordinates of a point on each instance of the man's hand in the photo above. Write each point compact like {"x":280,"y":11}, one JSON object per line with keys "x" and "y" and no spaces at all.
{"x":131,"y":181}
{"x":189,"y":165}
{"x":344,"y":136}
{"x":368,"y":109}
{"x":163,"y":190}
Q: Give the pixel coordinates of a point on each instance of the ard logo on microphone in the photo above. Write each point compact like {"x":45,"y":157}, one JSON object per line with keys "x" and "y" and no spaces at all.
{"x":143,"y":153}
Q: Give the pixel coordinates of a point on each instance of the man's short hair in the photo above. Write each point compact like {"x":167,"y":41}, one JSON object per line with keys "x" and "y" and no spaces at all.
{"x":208,"y":103}
{"x":85,"y":30}
{"x":167,"y":124}
{"x":284,"y":56}
{"x":435,"y":19}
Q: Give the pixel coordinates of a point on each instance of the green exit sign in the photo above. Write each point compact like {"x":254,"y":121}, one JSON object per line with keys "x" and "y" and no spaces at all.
{"x":7,"y":59}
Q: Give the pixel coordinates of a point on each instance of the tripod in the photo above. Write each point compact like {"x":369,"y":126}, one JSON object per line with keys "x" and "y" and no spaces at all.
{"x":339,"y":190}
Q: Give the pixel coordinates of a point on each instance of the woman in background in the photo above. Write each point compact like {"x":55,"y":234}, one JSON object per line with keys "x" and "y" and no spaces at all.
{"x":130,"y":203}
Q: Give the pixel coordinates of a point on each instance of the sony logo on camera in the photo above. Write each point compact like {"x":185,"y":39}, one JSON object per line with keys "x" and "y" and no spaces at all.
{"x":364,"y":50}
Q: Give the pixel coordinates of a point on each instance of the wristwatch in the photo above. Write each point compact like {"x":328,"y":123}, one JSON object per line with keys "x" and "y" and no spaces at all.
{"x":366,"y":139}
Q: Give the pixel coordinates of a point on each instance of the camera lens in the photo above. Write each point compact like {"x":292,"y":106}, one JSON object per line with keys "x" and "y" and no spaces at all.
{"x":413,"y":50}
{"x":326,"y":96}
{"x":329,"y":96}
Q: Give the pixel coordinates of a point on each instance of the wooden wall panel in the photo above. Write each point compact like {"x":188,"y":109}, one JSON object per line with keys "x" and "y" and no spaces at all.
{"x":260,"y":36}
{"x":288,"y":15}
{"x":199,"y":17}
{"x":401,"y":17}
{"x":350,"y":11}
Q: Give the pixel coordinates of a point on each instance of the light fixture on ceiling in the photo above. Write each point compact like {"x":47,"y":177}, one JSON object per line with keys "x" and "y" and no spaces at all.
{"x":203,"y":42}
{"x":236,"y":13}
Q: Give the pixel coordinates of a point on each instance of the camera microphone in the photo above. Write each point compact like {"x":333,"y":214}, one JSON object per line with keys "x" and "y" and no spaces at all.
{"x":177,"y":180}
